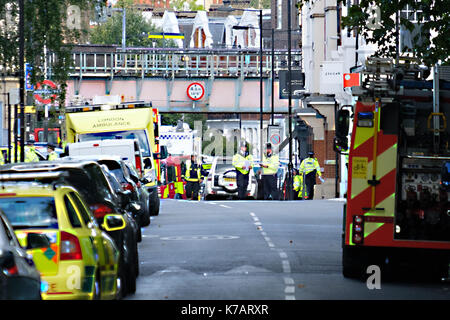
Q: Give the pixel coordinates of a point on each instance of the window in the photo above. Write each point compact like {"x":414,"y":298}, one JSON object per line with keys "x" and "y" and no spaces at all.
{"x":71,"y":213}
{"x":87,"y":218}
{"x":9,"y":236}
{"x":30,"y":212}
{"x":410,"y":13}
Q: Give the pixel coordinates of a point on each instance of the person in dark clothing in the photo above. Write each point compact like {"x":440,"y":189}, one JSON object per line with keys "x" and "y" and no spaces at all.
{"x":193,"y":177}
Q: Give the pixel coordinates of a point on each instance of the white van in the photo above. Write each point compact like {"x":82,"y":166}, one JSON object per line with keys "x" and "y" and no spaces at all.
{"x":127,"y":149}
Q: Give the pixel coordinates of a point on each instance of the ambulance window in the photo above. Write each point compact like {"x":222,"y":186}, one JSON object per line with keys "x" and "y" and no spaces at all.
{"x":71,"y":213}
{"x":82,"y":209}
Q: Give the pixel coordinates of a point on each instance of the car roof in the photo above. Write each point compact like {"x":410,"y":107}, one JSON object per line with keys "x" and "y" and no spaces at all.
{"x":94,"y":157}
{"x":31,"y":188}
{"x":46,"y":165}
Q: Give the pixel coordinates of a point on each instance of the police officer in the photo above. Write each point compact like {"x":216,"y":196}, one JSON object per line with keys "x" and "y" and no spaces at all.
{"x":30,"y":152}
{"x":193,"y":176}
{"x":270,"y":165}
{"x":299,"y":186}
{"x":310,"y":168}
{"x":52,"y":155}
{"x":243,"y":162}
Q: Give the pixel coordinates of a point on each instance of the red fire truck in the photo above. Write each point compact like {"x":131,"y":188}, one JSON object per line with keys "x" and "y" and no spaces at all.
{"x":397,"y":211}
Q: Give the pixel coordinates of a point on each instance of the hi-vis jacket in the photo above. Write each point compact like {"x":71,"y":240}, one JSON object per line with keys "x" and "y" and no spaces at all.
{"x":308,"y":165}
{"x":298,"y":186}
{"x":239,"y":162}
{"x":193,"y":173}
{"x":273,"y":162}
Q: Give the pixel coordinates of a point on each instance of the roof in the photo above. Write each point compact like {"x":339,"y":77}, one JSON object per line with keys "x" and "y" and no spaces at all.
{"x":44,"y":165}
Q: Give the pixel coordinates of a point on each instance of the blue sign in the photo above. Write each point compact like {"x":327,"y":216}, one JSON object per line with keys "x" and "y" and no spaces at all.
{"x":28,"y":85}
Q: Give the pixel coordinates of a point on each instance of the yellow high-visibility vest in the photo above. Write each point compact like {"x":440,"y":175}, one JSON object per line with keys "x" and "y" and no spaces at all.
{"x":273,"y":162}
{"x":308,"y":165}
{"x":239,"y":162}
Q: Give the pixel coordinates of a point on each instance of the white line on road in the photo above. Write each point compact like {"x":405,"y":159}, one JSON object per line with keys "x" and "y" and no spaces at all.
{"x":224,"y":206}
{"x":286,"y":266}
{"x":289,"y":289}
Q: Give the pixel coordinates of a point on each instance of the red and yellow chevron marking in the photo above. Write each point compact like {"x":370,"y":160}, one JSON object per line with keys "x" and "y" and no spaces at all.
{"x":372,"y":153}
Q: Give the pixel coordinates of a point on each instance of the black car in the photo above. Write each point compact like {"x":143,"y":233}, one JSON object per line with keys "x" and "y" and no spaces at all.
{"x":19,"y":278}
{"x":89,"y":179}
{"x":138,"y":202}
{"x":143,"y":193}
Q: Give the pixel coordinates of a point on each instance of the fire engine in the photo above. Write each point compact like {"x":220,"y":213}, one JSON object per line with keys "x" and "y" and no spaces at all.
{"x":397,"y":211}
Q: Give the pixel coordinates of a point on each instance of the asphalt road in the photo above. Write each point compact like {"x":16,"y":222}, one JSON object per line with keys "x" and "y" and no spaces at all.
{"x":256,"y":250}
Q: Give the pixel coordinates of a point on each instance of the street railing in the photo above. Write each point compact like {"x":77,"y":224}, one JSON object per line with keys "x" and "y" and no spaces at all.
{"x":142,"y":62}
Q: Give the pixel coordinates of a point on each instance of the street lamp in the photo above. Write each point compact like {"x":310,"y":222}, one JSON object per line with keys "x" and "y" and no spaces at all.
{"x":229,"y":9}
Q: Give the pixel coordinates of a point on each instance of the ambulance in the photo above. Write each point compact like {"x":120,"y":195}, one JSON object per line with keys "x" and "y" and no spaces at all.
{"x":127,"y":120}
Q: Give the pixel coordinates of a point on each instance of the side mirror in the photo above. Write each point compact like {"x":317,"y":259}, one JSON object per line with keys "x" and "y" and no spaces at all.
{"x":148,"y":161}
{"x":163,"y":153}
{"x":37,"y":241}
{"x":7,"y":260}
{"x":342,"y":122}
{"x":113,"y":222}
{"x":124,"y":196}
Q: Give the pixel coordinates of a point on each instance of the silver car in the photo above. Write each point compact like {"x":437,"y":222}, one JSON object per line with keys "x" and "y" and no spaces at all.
{"x":221,"y":181}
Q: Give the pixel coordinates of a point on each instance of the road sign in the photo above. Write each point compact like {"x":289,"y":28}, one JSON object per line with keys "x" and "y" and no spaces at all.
{"x":195,"y":91}
{"x":28,"y":85}
{"x":45,"y":95}
{"x":297,"y":84}
{"x":274,"y":135}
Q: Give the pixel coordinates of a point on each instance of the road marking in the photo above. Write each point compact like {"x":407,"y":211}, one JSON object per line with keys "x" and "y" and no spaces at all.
{"x":224,"y":206}
{"x":286,"y":266}
{"x":201,"y":237}
{"x":289,"y":289}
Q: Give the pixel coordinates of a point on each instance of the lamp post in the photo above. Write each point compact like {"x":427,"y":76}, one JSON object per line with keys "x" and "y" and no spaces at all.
{"x":290,"y":165}
{"x":229,"y":8}
{"x":22,"y":78}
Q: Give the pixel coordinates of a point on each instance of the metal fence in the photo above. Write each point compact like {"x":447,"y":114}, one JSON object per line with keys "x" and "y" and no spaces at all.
{"x":179,"y":63}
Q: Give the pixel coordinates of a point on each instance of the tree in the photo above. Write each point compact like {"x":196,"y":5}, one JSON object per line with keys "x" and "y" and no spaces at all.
{"x":137,"y":29}
{"x":49,"y":26}
{"x":376,"y":21}
{"x":182,"y":5}
{"x":265,"y":4}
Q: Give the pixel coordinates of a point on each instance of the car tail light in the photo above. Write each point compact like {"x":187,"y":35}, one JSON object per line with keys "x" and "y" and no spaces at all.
{"x":138,"y":163}
{"x":138,"y":184}
{"x":100,"y":210}
{"x":70,"y":248}
{"x":128,"y":186}
{"x":209,"y":179}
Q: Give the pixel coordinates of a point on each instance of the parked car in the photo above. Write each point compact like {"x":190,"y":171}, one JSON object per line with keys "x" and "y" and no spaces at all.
{"x":138,"y":202}
{"x":19,"y":278}
{"x":221,"y":181}
{"x":144,"y":195}
{"x":76,"y":245}
{"x":90,"y":180}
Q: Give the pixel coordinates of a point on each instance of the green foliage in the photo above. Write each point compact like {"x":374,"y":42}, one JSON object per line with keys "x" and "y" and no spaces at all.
{"x":179,"y":5}
{"x":45,"y":26}
{"x":433,"y":15}
{"x":265,"y":4}
{"x":137,"y":29}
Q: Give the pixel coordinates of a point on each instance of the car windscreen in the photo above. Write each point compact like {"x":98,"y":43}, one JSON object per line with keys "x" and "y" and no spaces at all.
{"x":140,"y":135}
{"x":222,"y":167}
{"x":115,"y":168}
{"x":30,"y":212}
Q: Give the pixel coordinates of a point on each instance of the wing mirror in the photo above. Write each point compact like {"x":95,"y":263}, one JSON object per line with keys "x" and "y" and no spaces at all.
{"x":113,"y":222}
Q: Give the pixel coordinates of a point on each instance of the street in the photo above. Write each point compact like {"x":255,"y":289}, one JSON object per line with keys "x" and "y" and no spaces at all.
{"x":256,"y":250}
